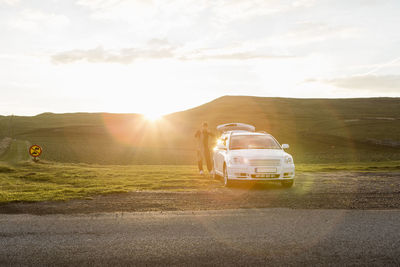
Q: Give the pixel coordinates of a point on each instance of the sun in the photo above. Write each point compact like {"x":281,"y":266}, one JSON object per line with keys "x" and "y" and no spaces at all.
{"x":152,"y":116}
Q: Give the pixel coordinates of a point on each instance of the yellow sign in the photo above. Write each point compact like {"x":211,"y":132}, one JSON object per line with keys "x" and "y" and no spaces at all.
{"x":35,"y":151}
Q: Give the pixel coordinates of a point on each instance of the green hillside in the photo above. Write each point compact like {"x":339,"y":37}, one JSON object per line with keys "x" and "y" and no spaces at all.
{"x":318,"y":130}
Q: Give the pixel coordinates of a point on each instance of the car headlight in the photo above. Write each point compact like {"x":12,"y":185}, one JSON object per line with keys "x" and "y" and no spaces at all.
{"x":288,"y":160}
{"x":238,"y":160}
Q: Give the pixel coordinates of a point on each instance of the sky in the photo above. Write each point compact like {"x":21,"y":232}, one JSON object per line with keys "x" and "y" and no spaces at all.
{"x":157,"y":56}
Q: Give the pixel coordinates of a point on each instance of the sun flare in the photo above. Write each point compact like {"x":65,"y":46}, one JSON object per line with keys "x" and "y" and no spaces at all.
{"x":152,"y":116}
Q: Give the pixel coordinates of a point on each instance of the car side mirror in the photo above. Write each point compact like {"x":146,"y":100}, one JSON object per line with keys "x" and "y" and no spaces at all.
{"x":285,"y":146}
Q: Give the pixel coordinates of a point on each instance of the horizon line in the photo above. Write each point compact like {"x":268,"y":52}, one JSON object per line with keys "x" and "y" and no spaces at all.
{"x":253,"y":96}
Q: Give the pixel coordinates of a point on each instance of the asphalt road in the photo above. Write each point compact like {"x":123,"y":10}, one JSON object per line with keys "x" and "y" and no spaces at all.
{"x":224,"y":237}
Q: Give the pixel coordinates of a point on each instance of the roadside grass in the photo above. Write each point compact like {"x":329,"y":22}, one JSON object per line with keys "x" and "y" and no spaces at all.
{"x":16,"y":152}
{"x":43,"y":181}
{"x":350,"y":166}
{"x":49,"y":181}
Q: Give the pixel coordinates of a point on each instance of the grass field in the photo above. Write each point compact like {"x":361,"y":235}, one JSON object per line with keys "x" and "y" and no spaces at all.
{"x":28,"y":181}
{"x":318,"y":131}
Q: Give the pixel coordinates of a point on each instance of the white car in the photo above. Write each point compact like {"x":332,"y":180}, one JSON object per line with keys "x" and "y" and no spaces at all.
{"x":246,"y":155}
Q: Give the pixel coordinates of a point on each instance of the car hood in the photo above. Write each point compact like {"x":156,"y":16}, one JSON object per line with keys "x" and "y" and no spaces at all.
{"x":258,"y":153}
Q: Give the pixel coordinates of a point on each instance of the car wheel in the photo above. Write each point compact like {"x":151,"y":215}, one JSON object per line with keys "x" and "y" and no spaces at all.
{"x":287,"y":183}
{"x":227,"y":183}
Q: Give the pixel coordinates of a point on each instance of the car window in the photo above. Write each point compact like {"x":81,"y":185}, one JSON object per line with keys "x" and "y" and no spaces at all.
{"x":253,"y":142}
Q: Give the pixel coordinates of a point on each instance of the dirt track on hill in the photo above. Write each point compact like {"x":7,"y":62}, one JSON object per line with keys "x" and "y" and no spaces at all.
{"x":329,"y":190}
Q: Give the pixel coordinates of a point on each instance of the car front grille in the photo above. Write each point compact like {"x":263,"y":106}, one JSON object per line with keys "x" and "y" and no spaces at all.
{"x":265,"y":162}
{"x":265,"y":176}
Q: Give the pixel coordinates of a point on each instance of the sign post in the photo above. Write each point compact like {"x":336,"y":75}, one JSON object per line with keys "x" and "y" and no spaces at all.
{"x":35,"y":151}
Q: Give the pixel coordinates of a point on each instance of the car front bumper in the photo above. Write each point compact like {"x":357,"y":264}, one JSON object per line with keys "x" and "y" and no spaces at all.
{"x":257,"y":173}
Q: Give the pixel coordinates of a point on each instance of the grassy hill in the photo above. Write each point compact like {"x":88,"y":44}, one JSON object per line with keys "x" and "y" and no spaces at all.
{"x":318,"y":130}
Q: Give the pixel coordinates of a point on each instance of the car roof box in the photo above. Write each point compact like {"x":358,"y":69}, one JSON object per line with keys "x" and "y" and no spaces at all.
{"x":236,"y":126}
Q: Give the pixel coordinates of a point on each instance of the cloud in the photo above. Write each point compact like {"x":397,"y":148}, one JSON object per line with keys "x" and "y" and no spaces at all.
{"x":9,"y":2}
{"x":234,"y":56}
{"x":100,"y":55}
{"x":227,"y":10}
{"x":99,"y":4}
{"x":120,"y":10}
{"x":29,"y":20}
{"x":243,"y":56}
{"x":158,"y":42}
{"x":154,"y":49}
{"x":158,"y":49}
{"x":304,"y":3}
{"x":220,"y":10}
{"x":244,"y":9}
{"x":370,"y":83}
{"x":311,"y":32}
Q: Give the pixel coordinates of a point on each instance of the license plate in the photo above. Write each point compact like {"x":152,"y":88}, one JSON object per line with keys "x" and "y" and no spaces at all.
{"x":265,"y":176}
{"x":266,"y":170}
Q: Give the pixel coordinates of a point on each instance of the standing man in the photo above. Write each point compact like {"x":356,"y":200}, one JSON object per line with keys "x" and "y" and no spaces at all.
{"x":203,"y":150}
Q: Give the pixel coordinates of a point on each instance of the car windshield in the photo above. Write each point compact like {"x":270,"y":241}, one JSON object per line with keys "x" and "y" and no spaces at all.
{"x":253,"y":142}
